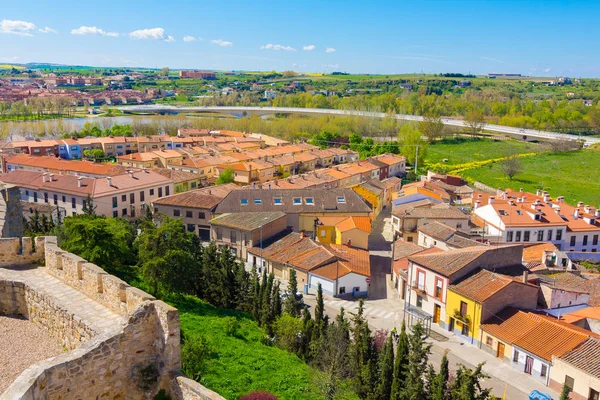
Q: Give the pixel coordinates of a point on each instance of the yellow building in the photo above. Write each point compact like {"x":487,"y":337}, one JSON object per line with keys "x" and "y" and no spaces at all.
{"x":482,"y":295}
{"x":353,"y":230}
{"x":372,"y":195}
{"x":182,"y":181}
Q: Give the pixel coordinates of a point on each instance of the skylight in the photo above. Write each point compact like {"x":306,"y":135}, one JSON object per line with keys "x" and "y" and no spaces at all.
{"x":341,"y":200}
{"x":244,"y":202}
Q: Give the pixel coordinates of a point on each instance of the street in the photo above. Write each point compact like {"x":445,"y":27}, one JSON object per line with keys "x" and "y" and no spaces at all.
{"x":383,"y":310}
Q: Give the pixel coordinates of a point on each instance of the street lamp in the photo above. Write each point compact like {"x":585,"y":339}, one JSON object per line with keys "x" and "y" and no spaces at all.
{"x":261,"y":244}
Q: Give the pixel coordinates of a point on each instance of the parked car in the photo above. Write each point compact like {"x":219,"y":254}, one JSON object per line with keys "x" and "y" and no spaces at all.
{"x":537,"y":395}
{"x":299,"y":297}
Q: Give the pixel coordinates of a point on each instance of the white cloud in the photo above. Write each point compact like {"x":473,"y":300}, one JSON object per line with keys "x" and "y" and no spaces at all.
{"x":151,"y":34}
{"x":188,"y":38}
{"x":47,"y":30}
{"x":21,"y":28}
{"x":547,"y":70}
{"x":330,"y":50}
{"x":92,"y":30}
{"x":310,"y":47}
{"x":221,"y":42}
{"x":277,"y":47}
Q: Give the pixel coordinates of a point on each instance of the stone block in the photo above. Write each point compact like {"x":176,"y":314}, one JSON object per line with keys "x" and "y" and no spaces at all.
{"x":135,"y":297}
{"x":71,"y":266}
{"x":92,"y":280}
{"x":114,"y":294}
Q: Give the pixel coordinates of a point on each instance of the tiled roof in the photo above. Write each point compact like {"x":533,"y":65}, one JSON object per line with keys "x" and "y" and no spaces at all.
{"x":534,"y":252}
{"x":403,"y":248}
{"x":175,"y":175}
{"x":325,"y":200}
{"x":586,"y":357}
{"x":401,"y":264}
{"x":362,"y":223}
{"x":589,"y":312}
{"x":445,"y":212}
{"x":357,"y":260}
{"x":437,"y":230}
{"x":53,"y":163}
{"x":537,"y":334}
{"x":205,"y":198}
{"x":483,"y":285}
{"x":247,"y":221}
{"x":451,"y":261}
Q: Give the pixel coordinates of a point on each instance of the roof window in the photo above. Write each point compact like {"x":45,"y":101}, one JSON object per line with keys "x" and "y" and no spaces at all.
{"x":257,"y":201}
{"x":297,"y":200}
{"x":244,"y":202}
{"x":341,"y":200}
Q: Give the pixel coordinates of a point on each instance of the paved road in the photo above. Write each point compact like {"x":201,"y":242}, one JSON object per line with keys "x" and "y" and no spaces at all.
{"x":530,"y":133}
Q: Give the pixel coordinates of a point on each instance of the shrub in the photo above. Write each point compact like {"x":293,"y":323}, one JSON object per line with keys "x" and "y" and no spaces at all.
{"x":195,"y":354}
{"x":259,"y":396}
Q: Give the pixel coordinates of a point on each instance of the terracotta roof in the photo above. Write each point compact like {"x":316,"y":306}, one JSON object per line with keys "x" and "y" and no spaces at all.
{"x":534,"y":252}
{"x":390,"y":159}
{"x":589,"y":312}
{"x":357,"y":260}
{"x":205,"y":198}
{"x":542,"y":336}
{"x":247,"y":221}
{"x":437,"y":230}
{"x":362,"y":223}
{"x":586,"y":357}
{"x":403,"y":249}
{"x":449,"y":262}
{"x":484,"y":284}
{"x":401,"y":264}
{"x":175,"y":175}
{"x":332,"y":270}
{"x":53,"y":163}
{"x":445,"y":212}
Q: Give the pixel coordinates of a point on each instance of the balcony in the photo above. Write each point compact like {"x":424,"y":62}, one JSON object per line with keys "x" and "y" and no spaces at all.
{"x":419,"y":288}
{"x":465,"y":319}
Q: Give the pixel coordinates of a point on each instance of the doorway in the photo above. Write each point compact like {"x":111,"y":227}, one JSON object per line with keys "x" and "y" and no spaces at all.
{"x":528,"y":365}
{"x":500,"y":351}
{"x":451,"y":325}
{"x":437,"y":312}
{"x":594,"y":395}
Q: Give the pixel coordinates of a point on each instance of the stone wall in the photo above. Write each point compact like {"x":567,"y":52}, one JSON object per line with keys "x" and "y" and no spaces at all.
{"x":132,"y":361}
{"x":11,"y":212}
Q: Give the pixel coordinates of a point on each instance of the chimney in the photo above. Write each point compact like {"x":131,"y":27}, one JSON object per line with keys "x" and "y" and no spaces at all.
{"x":521,"y":190}
{"x":477,"y":204}
{"x":349,"y":243}
{"x":597,"y":213}
{"x":491,"y":200}
{"x":44,"y":177}
{"x":79,"y":181}
{"x":302,"y":234}
{"x":108,"y":180}
{"x":547,"y":198}
{"x":525,"y":276}
{"x":51,"y":176}
{"x":538,"y":192}
{"x":557,"y":209}
{"x":480,"y":195}
{"x":130,"y":174}
{"x":576,"y":213}
{"x":587,"y":208}
{"x":580,"y":204}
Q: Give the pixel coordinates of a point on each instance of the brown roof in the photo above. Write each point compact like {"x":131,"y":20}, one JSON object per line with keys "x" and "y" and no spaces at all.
{"x":586,"y":357}
{"x":483,"y":285}
{"x":437,"y":230}
{"x":53,"y":163}
{"x":247,"y":221}
{"x":205,"y":198}
{"x":357,"y":260}
{"x":451,"y":261}
{"x":534,"y":252}
{"x":175,"y":175}
{"x":362,"y":223}
{"x":403,"y":248}
{"x":401,"y":264}
{"x":442,"y":212}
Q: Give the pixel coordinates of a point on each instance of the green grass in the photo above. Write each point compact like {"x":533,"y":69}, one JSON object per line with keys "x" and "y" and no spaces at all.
{"x":475,"y":150}
{"x":573,"y":175}
{"x":241,"y":363}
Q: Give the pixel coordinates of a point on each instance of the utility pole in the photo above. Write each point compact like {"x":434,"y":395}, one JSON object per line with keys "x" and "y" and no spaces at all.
{"x":416,"y":160}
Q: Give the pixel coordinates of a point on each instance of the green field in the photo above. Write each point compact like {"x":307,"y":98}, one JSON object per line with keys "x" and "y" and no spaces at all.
{"x":239,"y":362}
{"x":573,"y":175}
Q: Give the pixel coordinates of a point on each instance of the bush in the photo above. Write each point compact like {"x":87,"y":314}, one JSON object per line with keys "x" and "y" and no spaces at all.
{"x":259,"y":396}
{"x":231,"y":326}
{"x":195,"y":354}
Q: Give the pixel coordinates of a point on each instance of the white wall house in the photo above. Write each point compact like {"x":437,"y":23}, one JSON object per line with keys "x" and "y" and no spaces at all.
{"x":533,"y":365}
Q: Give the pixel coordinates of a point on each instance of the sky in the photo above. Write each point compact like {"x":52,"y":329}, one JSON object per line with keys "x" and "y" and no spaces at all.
{"x":537,"y":38}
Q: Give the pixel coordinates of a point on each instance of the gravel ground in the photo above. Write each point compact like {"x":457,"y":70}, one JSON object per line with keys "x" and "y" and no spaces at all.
{"x":22,"y":344}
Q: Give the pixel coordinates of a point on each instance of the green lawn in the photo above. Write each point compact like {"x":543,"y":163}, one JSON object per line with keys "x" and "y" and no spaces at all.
{"x":475,"y":150}
{"x":573,"y":175}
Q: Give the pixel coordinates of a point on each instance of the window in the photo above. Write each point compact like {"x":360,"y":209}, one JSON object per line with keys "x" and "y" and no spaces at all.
{"x":572,"y":241}
{"x":131,"y":198}
{"x":420,"y":280}
{"x":549,"y":235}
{"x":45,"y":197}
{"x":176,"y":213}
{"x":219,"y":233}
{"x":233,"y":237}
{"x":516,"y":356}
{"x":489,"y":341}
{"x":132,"y":211}
{"x":569,"y":382}
{"x":189,"y":214}
{"x":595,"y":240}
{"x":27,"y":193}
{"x":342,"y":289}
{"x":458,"y":225}
{"x":191,"y":227}
{"x":585,"y":240}
{"x":540,"y":236}
{"x":167,"y":190}
{"x":201,"y":215}
{"x":509,"y":236}
{"x":464,"y":330}
{"x":309,"y":201}
{"x":257,"y":201}
{"x":159,"y":192}
{"x":193,"y":185}
{"x":55,"y":198}
{"x":277,"y":201}
{"x":544,"y":371}
{"x":73,"y":202}
{"x":559,"y":234}
{"x":518,"y":236}
{"x":297,"y":200}
{"x":35,"y":197}
{"x":244,"y":202}
{"x":64,"y":199}
{"x":142,"y":196}
{"x":439,"y":284}
{"x":124,"y":212}
{"x":526,"y":236}
{"x":114,"y":202}
{"x":151,"y":192}
{"x":115,"y":214}
{"x":123,"y":197}
{"x":409,"y":239}
{"x":463,"y":308}
{"x":341,"y":200}
{"x":419,"y":302}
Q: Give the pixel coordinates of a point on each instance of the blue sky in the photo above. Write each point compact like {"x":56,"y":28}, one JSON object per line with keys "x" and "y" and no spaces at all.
{"x":541,"y":38}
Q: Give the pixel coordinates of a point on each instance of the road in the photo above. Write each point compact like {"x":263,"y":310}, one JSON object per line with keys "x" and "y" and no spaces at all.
{"x":529,"y":133}
{"x":383,"y":310}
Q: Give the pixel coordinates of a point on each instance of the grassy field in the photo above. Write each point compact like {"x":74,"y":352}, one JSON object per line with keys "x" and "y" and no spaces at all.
{"x":239,"y":362}
{"x":573,"y":175}
{"x":470,"y":150}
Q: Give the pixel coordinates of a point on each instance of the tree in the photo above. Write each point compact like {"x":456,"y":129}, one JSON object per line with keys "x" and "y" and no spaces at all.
{"x":88,"y":206}
{"x":164,"y":71}
{"x":320,"y":318}
{"x":227,"y":176}
{"x":292,"y":304}
{"x":565,"y":393}
{"x":408,"y":139}
{"x":467,"y":384}
{"x":511,"y":166}
{"x":438,"y":383}
{"x":386,"y":369}
{"x":287,"y":330}
{"x":475,"y":121}
{"x":400,"y":364}
{"x":418,"y":355}
{"x":363,"y":355}
{"x":432,"y":127}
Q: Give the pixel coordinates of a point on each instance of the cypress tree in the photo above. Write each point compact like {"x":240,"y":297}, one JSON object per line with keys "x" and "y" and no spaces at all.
{"x":400,"y":364}
{"x":292,"y":305}
{"x":320,"y":311}
{"x":418,"y":355}
{"x":438,"y":384}
{"x":276,"y":309}
{"x":386,"y":369}
{"x":564,"y":394}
